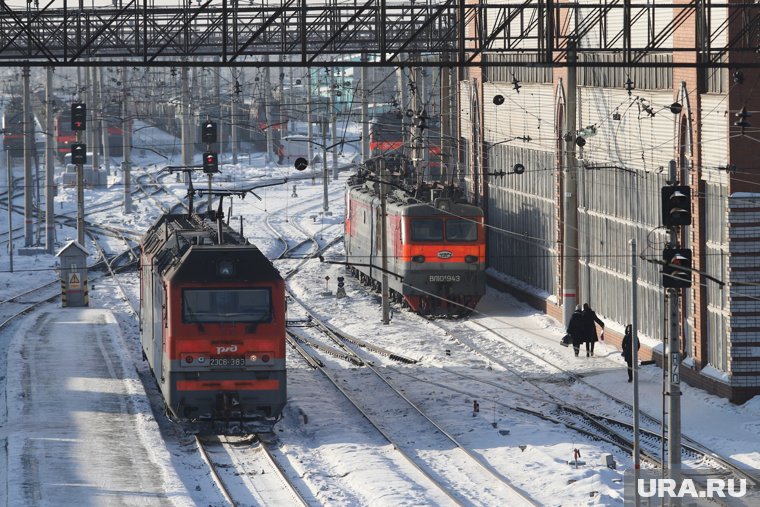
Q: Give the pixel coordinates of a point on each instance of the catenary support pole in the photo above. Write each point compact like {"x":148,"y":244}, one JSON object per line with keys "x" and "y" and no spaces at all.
{"x":97,"y":117}
{"x":365,"y":111}
{"x":309,"y":125}
{"x":49,"y":163}
{"x":334,"y":124}
{"x":126,"y":142}
{"x":9,"y":169}
{"x":28,"y":126}
{"x":268,"y":110}
{"x":384,"y":245}
{"x":80,"y":197}
{"x":569,"y":184}
{"x":187,"y":148}
{"x":325,"y":202}
{"x":234,"y":97}
{"x":674,"y":362}
{"x":446,"y":133}
{"x":635,"y":363}
{"x":106,"y":140}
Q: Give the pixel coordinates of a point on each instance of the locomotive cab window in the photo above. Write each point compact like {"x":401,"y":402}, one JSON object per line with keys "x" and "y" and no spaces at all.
{"x":427,"y":230}
{"x":226,"y":305}
{"x":461,"y":230}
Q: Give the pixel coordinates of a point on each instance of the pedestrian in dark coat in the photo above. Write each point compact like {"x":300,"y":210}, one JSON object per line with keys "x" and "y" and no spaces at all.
{"x":590,"y":320}
{"x":576,"y":329}
{"x":628,"y":351}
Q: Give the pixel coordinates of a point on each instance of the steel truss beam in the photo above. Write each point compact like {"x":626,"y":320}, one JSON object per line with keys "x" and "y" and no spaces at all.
{"x":448,"y":32}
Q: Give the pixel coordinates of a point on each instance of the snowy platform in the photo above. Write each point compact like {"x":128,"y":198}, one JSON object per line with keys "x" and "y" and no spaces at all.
{"x":78,"y":425}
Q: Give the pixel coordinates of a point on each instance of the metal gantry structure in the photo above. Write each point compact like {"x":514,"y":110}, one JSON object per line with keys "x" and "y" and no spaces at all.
{"x":449,"y":32}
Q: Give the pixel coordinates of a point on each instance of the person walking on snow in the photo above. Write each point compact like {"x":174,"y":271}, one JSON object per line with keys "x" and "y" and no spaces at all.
{"x":590,"y":320}
{"x":575,"y":329}
{"x":628,"y":351}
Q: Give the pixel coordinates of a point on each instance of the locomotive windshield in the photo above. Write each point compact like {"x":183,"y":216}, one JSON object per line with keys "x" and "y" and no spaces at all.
{"x":226,"y":305}
{"x":456,"y":230}
{"x":461,"y":230}
{"x":427,"y":230}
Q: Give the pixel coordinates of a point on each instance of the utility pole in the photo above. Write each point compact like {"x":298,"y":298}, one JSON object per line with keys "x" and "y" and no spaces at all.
{"x":283,"y":111}
{"x":414,"y":130}
{"x":570,"y":190}
{"x":421,"y":114}
{"x":446,"y":123}
{"x":635,"y":362}
{"x":28,"y":125}
{"x":384,"y":245}
{"x":402,"y":85}
{"x":365,"y":110}
{"x":334,"y":121}
{"x":104,"y":127}
{"x":325,"y":203}
{"x":80,"y":196}
{"x":126,"y":142}
{"x":268,"y":110}
{"x":97,"y":118}
{"x":11,"y":186}
{"x":187,"y":148}
{"x":674,"y":361}
{"x":87,"y":139}
{"x":309,"y":126}
{"x":234,"y":98}
{"x":49,"y":163}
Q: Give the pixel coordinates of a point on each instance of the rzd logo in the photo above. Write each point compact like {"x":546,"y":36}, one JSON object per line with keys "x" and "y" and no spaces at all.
{"x":229,"y":348}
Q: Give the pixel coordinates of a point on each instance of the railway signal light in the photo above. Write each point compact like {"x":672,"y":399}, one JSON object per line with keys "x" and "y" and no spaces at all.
{"x":676,"y":273}
{"x":78,"y":116}
{"x":208,"y":132}
{"x":78,"y":153}
{"x":210,"y":163}
{"x":301,"y":163}
{"x":676,"y":205}
{"x":341,"y":292}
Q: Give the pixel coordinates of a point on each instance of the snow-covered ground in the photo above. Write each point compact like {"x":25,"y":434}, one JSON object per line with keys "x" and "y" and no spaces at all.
{"x":75,"y":406}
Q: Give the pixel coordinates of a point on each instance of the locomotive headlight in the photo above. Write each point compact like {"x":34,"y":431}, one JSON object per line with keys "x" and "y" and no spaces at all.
{"x":469,"y":259}
{"x":188,"y":359}
{"x":252,"y":358}
{"x":418,"y":258}
{"x":226,"y":268}
{"x":265,"y":358}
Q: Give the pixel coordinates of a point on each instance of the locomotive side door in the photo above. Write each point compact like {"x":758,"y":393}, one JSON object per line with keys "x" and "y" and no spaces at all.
{"x":159,"y":327}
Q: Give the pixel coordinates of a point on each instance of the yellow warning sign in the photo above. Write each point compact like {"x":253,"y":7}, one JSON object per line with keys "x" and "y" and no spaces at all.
{"x":74,"y":282}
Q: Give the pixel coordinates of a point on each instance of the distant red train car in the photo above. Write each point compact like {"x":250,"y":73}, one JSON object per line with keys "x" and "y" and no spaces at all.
{"x":13,"y":127}
{"x":386,"y":137}
{"x":436,"y":245}
{"x":212,"y":317}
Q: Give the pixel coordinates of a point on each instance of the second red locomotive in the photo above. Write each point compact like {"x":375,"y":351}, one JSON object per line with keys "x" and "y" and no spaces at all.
{"x":435,"y":240}
{"x":212,"y":315}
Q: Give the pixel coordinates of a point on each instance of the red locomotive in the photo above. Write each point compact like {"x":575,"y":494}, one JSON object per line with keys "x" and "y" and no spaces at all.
{"x":212,"y":315}
{"x":435,"y":240}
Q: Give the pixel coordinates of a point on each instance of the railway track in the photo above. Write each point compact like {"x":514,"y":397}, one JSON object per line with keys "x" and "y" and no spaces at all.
{"x":247,"y":473}
{"x":613,"y":430}
{"x":471,"y":469}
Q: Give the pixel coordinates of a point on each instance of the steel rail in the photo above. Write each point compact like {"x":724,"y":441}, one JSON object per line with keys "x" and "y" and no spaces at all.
{"x":334,"y":334}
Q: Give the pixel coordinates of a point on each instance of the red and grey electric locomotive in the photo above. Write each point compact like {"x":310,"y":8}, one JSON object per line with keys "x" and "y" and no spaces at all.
{"x":212,"y":315}
{"x":435,"y":240}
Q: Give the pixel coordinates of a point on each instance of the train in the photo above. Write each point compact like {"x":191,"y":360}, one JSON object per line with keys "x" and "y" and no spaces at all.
{"x":212,"y":321}
{"x":13,"y":127}
{"x":435,"y":239}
